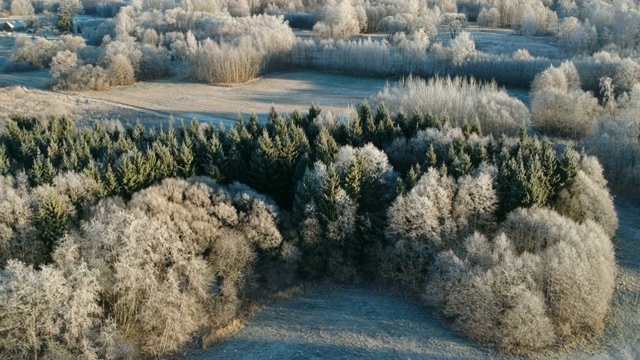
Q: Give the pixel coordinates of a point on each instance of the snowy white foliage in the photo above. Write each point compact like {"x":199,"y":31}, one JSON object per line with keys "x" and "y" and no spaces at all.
{"x":458,"y":101}
{"x":340,"y":20}
{"x":433,"y":215}
{"x":616,"y":144}
{"x":50,"y":310}
{"x":559,"y":106}
{"x":544,"y":280}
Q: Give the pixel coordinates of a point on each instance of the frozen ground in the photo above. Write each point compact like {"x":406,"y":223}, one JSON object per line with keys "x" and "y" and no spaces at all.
{"x":286,"y":92}
{"x":44,"y":104}
{"x":507,"y":41}
{"x":358,"y":322}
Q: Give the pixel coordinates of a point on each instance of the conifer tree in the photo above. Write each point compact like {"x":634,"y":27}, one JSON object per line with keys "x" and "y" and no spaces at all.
{"x":186,"y":163}
{"x":255,"y":128}
{"x":4,"y":160}
{"x":432,"y":157}
{"x":330,"y":188}
{"x":355,"y":177}
{"x":325,"y":147}
{"x":214,"y":158}
{"x":355,"y":134}
{"x":51,"y":222}
{"x":273,"y":116}
{"x":110,"y":182}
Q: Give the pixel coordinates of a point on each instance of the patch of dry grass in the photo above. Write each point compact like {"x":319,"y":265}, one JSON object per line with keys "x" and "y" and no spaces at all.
{"x":45,"y":104}
{"x":217,"y":335}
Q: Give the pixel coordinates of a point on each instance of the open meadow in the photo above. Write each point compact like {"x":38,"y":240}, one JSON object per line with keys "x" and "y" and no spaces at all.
{"x":319,"y":179}
{"x":222,"y":104}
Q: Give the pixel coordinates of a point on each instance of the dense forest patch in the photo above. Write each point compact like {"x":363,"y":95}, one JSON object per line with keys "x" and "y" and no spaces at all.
{"x":384,"y":196}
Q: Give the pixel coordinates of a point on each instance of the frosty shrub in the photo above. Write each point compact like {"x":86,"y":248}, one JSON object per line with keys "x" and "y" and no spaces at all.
{"x":616,"y":144}
{"x":68,"y":73}
{"x":457,"y":100}
{"x":51,"y":311}
{"x":559,"y":106}
{"x":542,"y":280}
{"x":340,"y":20}
{"x":33,"y":220}
{"x":181,"y":256}
{"x":40,"y":52}
{"x":435,"y":215}
{"x":588,"y":197}
{"x":16,"y":216}
{"x":327,"y":218}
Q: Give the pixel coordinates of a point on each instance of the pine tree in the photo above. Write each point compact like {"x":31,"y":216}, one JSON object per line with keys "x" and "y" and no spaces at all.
{"x":110,"y":182}
{"x":51,"y":222}
{"x":431,"y":121}
{"x":313,"y":113}
{"x":330,"y":187}
{"x":4,"y":161}
{"x":325,"y":147}
{"x":214,"y":158}
{"x":273,"y":116}
{"x":355,"y":176}
{"x":42,"y":171}
{"x":386,"y":129}
{"x":92,"y":171}
{"x":432,"y":157}
{"x":255,"y":128}
{"x":567,"y":169}
{"x":405,"y":124}
{"x":355,"y":134}
{"x":70,"y":161}
{"x":413,"y":176}
{"x":186,"y":163}
{"x":477,"y":127}
{"x":131,"y":173}
{"x":298,"y":119}
{"x":165,"y":163}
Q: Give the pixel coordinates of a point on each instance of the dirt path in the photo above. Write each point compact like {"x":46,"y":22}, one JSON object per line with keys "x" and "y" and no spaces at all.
{"x":363,"y":323}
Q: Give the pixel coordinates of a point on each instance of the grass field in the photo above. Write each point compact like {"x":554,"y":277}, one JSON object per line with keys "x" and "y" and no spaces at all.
{"x":507,"y":41}
{"x":43,"y":104}
{"x":286,"y":92}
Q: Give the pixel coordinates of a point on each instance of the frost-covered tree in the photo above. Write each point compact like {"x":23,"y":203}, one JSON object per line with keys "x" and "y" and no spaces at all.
{"x":432,"y":217}
{"x":626,"y":75}
{"x":120,"y":71}
{"x":559,"y":105}
{"x":51,"y":311}
{"x":21,"y":7}
{"x":340,"y":20}
{"x":66,"y":12}
{"x":575,"y":36}
{"x":489,"y":17}
{"x":462,"y":48}
{"x":542,"y":280}
{"x":458,"y":100}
